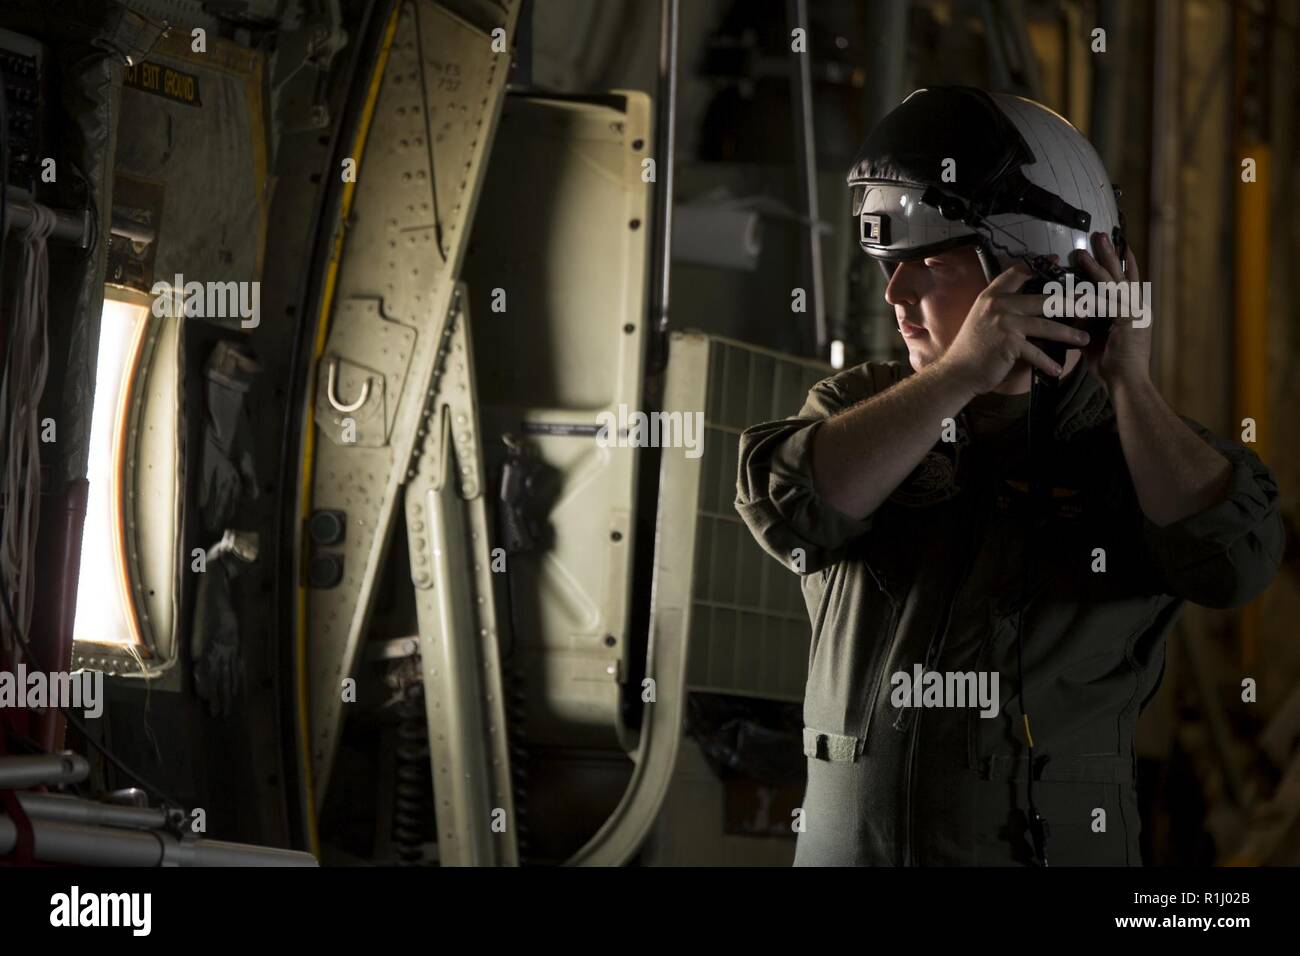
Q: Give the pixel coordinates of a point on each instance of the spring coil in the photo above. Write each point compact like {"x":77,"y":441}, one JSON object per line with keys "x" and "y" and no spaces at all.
{"x":515,"y":700}
{"x":413,"y":817}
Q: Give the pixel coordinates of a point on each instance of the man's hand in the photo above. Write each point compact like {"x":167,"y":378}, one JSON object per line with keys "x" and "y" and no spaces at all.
{"x":1123,"y":358}
{"x":996,"y":333}
{"x":1176,"y":474}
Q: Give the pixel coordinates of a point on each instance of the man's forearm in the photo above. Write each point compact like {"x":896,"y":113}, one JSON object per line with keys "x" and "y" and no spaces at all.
{"x":863,"y":453}
{"x":1175,"y":473}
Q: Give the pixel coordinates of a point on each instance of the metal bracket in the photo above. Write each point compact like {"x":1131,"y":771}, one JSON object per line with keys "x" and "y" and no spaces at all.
{"x":364,"y":370}
{"x":335,"y":402}
{"x":302,"y":64}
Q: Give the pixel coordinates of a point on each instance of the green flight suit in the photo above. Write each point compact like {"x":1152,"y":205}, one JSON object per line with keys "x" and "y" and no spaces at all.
{"x":939,"y":575}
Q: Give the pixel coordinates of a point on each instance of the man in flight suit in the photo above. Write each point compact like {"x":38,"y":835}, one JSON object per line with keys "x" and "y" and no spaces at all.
{"x":929,"y":539}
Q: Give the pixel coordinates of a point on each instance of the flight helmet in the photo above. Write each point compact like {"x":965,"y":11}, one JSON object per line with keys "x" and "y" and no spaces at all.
{"x":954,"y":165}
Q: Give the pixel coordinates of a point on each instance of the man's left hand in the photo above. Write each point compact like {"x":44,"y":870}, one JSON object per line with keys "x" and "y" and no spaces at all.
{"x":1123,"y":357}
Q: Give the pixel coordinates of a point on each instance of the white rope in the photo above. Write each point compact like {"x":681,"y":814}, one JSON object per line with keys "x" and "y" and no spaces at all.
{"x":24,"y":381}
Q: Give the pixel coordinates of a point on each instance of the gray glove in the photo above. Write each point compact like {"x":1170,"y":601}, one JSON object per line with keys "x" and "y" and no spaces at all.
{"x":227,"y":470}
{"x":218,"y":666}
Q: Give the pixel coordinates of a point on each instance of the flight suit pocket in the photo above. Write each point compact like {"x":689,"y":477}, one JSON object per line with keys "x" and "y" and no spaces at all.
{"x":854,"y":631}
{"x":1090,"y":823}
{"x":1078,"y":682}
{"x":844,"y":678}
{"x":1081,"y":796}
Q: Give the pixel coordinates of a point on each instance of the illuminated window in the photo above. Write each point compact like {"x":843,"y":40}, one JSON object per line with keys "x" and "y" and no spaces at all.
{"x":105,"y":614}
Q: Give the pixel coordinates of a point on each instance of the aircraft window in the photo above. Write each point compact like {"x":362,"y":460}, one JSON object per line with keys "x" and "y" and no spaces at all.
{"x":104,"y":611}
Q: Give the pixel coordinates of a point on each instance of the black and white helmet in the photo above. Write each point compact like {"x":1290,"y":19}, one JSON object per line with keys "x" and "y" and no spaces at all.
{"x":953,"y":165}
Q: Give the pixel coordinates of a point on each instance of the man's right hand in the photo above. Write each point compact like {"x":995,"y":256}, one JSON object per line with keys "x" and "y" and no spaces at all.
{"x":996,"y":333}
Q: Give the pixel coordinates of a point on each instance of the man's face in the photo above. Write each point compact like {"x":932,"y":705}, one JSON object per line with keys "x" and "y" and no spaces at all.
{"x":931,"y":297}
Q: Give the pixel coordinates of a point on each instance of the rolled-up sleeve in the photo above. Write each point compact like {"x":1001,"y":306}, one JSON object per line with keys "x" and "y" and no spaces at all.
{"x":775,"y":495}
{"x":1227,"y":554}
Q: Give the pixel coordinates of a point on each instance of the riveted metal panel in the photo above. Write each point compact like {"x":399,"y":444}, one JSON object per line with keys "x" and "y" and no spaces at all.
{"x":416,"y":189}
{"x":451,"y":568}
{"x":557,"y":273}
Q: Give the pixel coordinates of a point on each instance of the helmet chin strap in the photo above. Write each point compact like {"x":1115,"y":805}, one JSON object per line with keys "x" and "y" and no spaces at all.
{"x":987,"y":261}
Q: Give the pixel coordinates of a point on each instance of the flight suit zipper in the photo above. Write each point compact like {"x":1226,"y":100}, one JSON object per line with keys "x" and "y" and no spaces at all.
{"x":883,"y":677}
{"x":932,"y":654}
{"x":931,"y":658}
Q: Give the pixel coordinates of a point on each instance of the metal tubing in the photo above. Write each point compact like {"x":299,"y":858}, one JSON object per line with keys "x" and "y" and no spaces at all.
{"x":886,"y":45}
{"x":806,"y":161}
{"x":221,"y":853}
{"x":666,"y":148}
{"x":55,"y":842}
{"x":133,"y":231}
{"x":71,"y":843}
{"x":68,"y":226}
{"x":67,"y":809}
{"x":20,"y":773}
